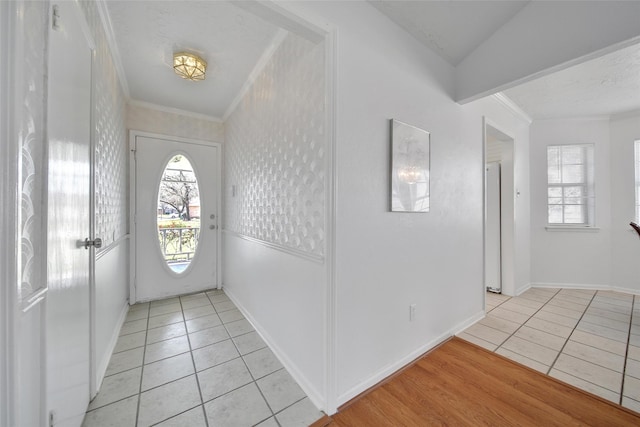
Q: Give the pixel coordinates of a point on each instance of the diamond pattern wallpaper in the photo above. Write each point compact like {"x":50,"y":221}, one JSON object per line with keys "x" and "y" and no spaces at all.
{"x":275,"y":152}
{"x":111,"y":153}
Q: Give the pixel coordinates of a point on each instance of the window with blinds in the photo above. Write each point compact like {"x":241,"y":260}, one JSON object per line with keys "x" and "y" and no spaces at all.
{"x":570,"y":185}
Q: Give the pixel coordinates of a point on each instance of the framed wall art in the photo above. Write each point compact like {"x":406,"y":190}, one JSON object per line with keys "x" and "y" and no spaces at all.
{"x":410,"y":164}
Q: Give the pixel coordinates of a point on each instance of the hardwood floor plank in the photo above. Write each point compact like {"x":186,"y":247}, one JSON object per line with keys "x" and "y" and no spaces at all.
{"x":553,"y":394}
{"x":461,"y":384}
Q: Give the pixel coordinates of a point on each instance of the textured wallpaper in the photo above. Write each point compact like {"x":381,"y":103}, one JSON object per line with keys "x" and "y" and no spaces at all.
{"x":31,"y":102}
{"x":275,"y":152}
{"x":111,"y":153}
{"x":165,"y":123}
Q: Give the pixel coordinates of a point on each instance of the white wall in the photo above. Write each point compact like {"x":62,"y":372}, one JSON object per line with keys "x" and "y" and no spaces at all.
{"x":625,"y":244}
{"x":571,"y":258}
{"x":386,"y":261}
{"x":274,"y":241}
{"x":149,"y":119}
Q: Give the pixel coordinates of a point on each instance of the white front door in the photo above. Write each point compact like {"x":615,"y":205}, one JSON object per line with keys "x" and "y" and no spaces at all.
{"x":69,"y":133}
{"x":156,"y":272}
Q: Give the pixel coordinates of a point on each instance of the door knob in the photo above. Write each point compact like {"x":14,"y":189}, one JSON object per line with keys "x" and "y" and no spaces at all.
{"x":96,"y":243}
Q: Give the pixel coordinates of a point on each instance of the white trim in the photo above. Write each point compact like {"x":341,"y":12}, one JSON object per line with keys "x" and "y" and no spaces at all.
{"x":406,"y":360}
{"x":507,"y":219}
{"x":542,"y":73}
{"x":178,"y":111}
{"x":589,"y":287}
{"x":133,"y":134}
{"x":311,"y":392}
{"x":506,"y":102}
{"x":291,"y":251}
{"x":595,"y":287}
{"x":262,"y":62}
{"x":112,"y":246}
{"x":132,"y":216}
{"x":93,"y":386}
{"x":331,"y":332}
{"x":101,"y":365}
{"x":568,"y":228}
{"x":523,"y":289}
{"x":599,"y":117}
{"x":7,"y":225}
{"x":103,"y":11}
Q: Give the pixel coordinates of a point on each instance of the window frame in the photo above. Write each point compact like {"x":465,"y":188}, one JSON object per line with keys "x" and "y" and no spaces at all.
{"x":587,"y":184}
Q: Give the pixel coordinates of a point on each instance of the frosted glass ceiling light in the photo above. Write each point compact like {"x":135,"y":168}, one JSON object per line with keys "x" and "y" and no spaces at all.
{"x":189,"y":66}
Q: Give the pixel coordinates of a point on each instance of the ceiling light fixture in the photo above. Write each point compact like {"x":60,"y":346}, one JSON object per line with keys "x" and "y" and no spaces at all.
{"x":189,"y":66}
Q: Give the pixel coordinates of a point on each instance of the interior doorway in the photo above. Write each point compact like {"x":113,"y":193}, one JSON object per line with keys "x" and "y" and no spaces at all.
{"x":499,"y":216}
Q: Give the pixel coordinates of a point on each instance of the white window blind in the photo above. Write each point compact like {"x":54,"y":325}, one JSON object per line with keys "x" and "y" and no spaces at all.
{"x":570,"y":186}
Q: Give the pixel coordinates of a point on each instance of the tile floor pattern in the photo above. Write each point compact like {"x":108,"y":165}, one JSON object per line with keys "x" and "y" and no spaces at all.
{"x":196,"y":361}
{"x":589,"y":339}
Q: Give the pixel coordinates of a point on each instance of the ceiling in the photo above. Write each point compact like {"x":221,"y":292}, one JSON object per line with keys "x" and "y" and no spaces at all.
{"x":234,"y":41}
{"x":603,"y":86}
{"x":230,"y":39}
{"x":452,"y":29}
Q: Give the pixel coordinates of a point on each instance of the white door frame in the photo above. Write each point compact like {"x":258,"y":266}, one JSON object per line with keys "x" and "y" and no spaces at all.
{"x":8,"y":247}
{"x":507,"y":211}
{"x":133,"y":134}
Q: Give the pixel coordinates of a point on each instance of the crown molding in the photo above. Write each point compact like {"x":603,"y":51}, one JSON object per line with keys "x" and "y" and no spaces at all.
{"x":171,"y":110}
{"x":262,"y":62}
{"x":506,"y":102}
{"x":113,"y":45}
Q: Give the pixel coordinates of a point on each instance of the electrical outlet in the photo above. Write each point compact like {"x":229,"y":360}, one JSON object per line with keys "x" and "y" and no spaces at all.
{"x":412,"y":312}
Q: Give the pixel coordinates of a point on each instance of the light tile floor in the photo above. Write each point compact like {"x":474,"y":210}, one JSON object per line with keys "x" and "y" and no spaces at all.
{"x":590,"y":339}
{"x":196,"y":361}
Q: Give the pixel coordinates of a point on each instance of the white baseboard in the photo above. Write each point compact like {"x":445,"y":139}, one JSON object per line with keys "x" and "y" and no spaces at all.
{"x":523,"y":289}
{"x":591,"y":287}
{"x":316,"y":397}
{"x":101,"y":369}
{"x":396,"y":366}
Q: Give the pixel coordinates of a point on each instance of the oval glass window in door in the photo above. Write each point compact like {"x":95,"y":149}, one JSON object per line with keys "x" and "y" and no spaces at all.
{"x":178,"y":213}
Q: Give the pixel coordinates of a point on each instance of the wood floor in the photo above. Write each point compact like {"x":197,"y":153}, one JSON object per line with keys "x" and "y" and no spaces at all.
{"x":461,"y":384}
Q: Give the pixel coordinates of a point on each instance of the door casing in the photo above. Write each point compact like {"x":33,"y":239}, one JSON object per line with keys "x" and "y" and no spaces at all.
{"x":133,"y":134}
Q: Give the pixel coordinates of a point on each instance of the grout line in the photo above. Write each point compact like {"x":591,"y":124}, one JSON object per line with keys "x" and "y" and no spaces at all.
{"x":626,"y":353}
{"x":146,"y":344}
{"x":193,"y":363}
{"x":178,"y":414}
{"x":253,"y":378}
{"x":520,"y":327}
{"x":144,"y":352}
{"x":586,"y":381}
{"x":572,"y":331}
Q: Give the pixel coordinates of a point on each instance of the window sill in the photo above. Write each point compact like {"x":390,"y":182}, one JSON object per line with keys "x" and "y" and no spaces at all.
{"x":575,"y":228}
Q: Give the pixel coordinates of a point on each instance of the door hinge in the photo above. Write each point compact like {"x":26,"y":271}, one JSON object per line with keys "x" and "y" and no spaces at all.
{"x":52,"y":418}
{"x":55,"y":17}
